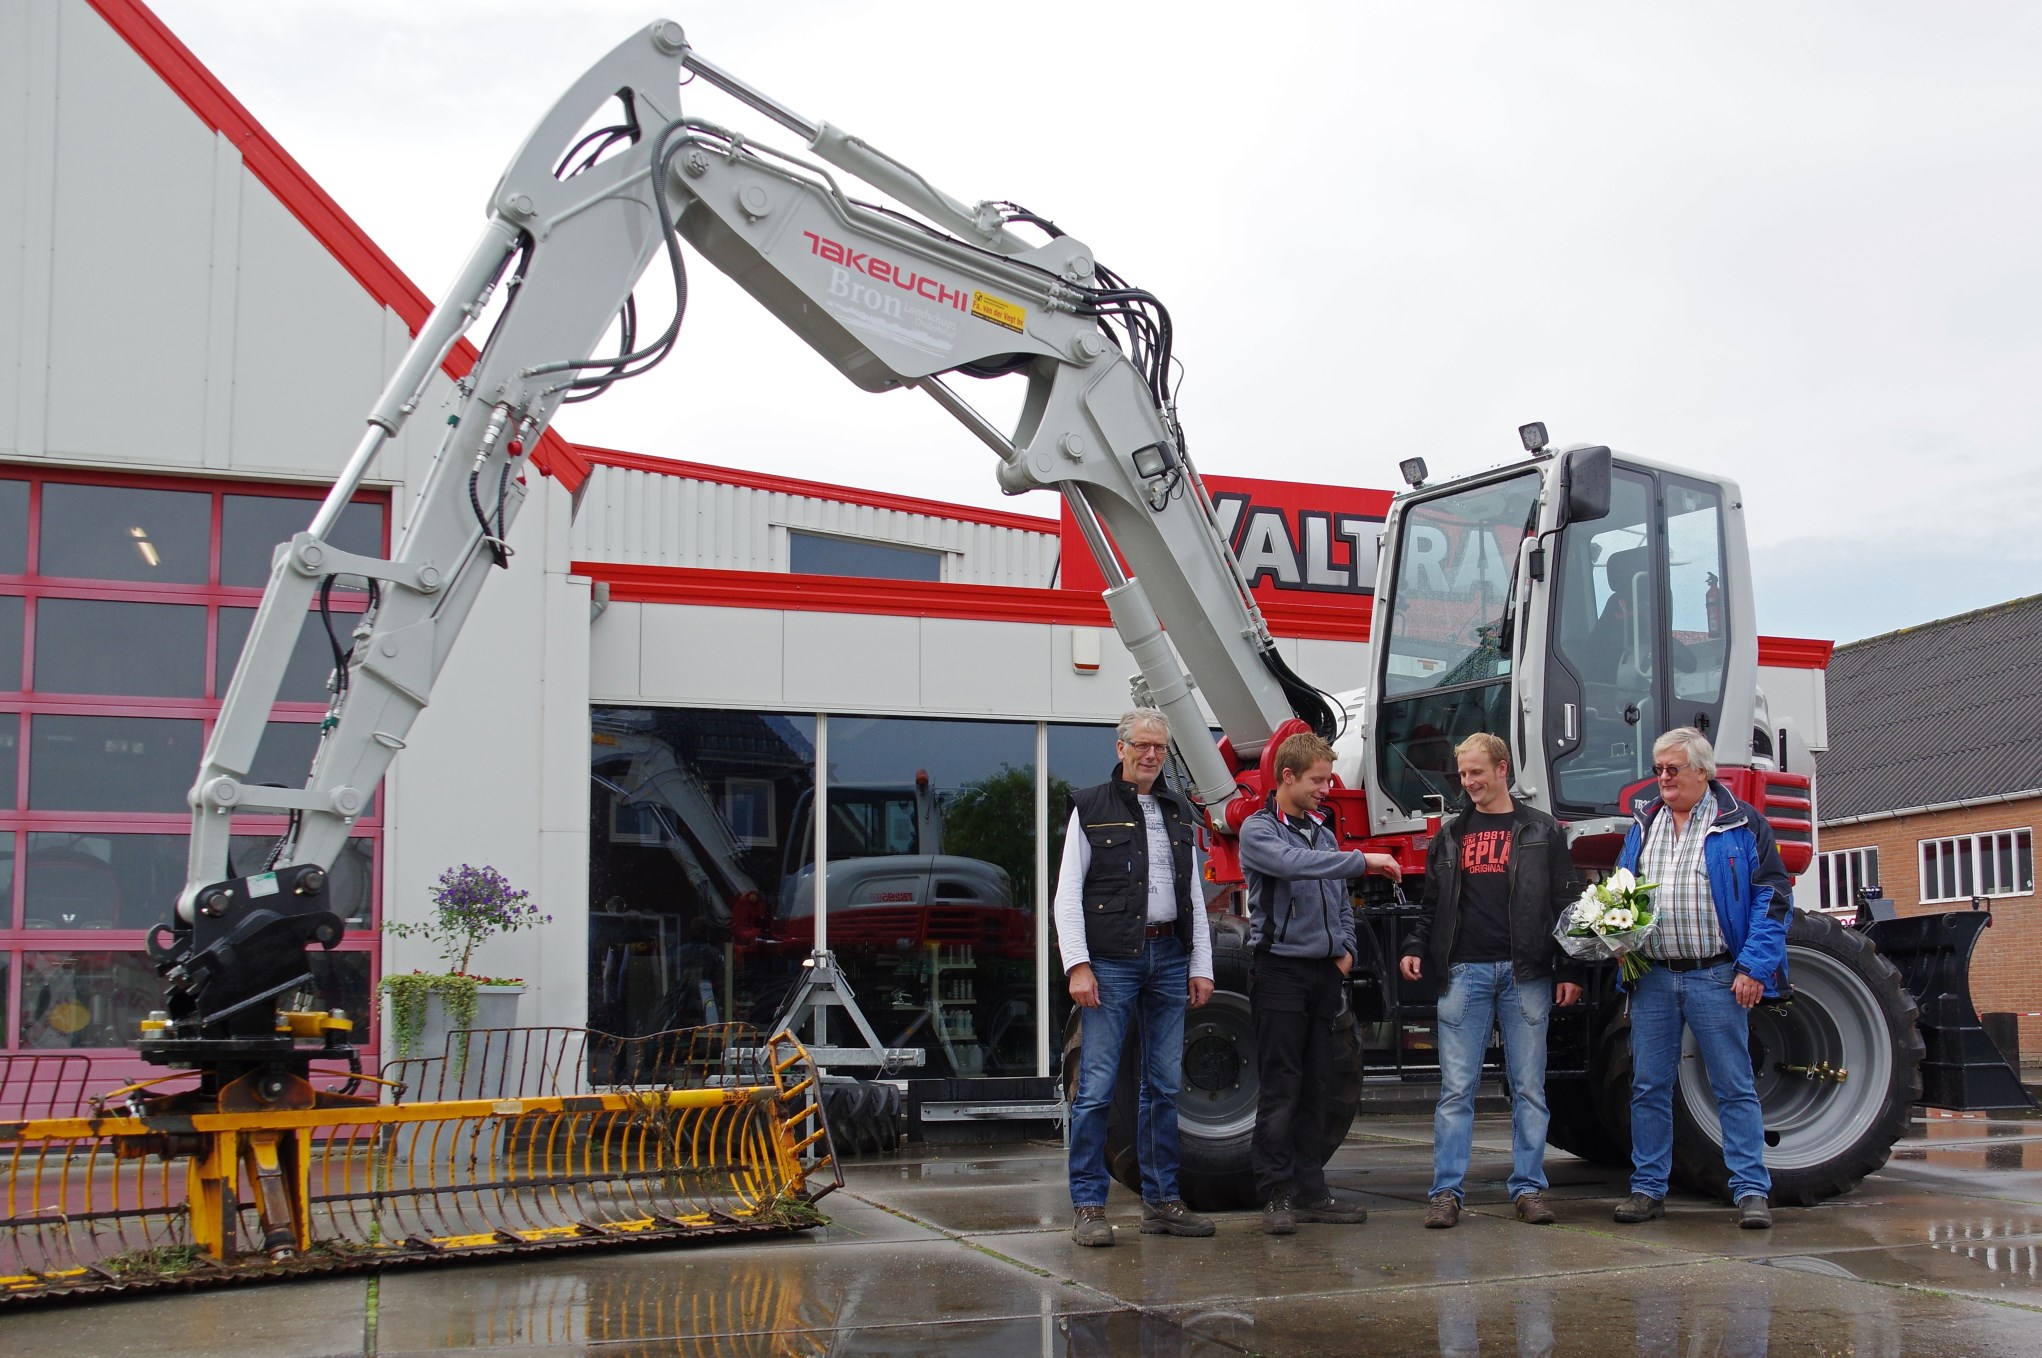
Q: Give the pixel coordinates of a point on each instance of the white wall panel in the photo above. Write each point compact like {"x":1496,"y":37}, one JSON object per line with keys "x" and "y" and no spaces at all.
{"x":710,"y":656}
{"x":646,"y":518}
{"x":614,"y":653}
{"x":129,"y":291}
{"x":997,"y":668}
{"x":308,"y":351}
{"x":853,"y":661}
{"x":27,"y":113}
{"x":1335,"y":666}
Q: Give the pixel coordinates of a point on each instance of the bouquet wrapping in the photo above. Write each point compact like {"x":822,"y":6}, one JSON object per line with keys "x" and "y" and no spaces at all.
{"x":1612,"y":918}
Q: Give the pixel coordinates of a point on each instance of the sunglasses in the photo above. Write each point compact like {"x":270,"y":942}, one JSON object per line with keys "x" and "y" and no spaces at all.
{"x":1670,"y":770}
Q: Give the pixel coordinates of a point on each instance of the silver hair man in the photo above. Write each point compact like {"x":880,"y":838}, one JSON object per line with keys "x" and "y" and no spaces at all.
{"x":1700,"y":754}
{"x":1141,"y":716}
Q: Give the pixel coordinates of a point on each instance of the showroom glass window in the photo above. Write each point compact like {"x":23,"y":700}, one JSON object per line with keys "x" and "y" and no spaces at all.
{"x":702,"y":875}
{"x":123,"y":605}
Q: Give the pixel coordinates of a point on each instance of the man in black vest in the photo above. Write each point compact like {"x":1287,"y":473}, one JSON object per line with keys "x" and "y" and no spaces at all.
{"x":1135,"y":951}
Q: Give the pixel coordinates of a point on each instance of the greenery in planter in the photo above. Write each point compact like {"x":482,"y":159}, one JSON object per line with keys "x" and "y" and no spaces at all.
{"x":470,"y":905}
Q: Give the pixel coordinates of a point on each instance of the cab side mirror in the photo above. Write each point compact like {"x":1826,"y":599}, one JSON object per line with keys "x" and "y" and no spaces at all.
{"x":1587,"y":478}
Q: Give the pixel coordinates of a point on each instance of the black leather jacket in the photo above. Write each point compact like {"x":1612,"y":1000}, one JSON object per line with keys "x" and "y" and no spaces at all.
{"x":1543,"y":882}
{"x":1117,"y":878}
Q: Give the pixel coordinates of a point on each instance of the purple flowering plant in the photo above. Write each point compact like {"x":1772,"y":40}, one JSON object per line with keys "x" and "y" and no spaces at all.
{"x":471,"y":905}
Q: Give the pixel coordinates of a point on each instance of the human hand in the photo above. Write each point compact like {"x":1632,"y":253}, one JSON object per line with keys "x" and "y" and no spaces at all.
{"x":1566,"y":993}
{"x":1382,"y":865}
{"x":1411,"y":968}
{"x":1345,"y":962}
{"x":1201,"y":991}
{"x":1084,"y":986}
{"x":1746,"y":991}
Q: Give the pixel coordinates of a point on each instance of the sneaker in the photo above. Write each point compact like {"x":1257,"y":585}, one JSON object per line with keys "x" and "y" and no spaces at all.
{"x":1532,"y":1209}
{"x":1279,"y":1217}
{"x":1330,"y":1211}
{"x":1442,"y":1211}
{"x":1754,"y":1213}
{"x":1172,"y":1217}
{"x":1090,"y":1227}
{"x":1639,"y":1207}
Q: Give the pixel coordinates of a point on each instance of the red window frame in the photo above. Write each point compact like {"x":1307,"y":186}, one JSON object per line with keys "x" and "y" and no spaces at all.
{"x":26,"y":703}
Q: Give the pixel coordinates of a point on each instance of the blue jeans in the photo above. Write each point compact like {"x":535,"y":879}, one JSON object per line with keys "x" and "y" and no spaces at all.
{"x":1661,"y":1002}
{"x":1479,"y":996}
{"x":1148,"y":991}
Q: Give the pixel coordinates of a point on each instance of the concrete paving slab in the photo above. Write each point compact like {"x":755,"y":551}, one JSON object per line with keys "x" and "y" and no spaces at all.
{"x":563,"y":1300}
{"x":1985,"y":1268}
{"x":1715,"y":1307}
{"x":1392,"y":1250}
{"x":293,"y":1320}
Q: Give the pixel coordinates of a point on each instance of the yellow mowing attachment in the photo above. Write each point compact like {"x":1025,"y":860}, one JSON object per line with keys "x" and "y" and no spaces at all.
{"x":535,"y":1139}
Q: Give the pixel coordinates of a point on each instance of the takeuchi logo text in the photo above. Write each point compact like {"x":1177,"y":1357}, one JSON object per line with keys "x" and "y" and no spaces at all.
{"x":883,"y":270}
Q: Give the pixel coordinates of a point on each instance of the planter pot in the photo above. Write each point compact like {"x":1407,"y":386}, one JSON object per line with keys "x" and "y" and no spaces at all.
{"x":465,"y":1073}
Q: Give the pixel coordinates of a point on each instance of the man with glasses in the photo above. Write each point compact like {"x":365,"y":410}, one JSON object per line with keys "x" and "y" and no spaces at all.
{"x":1136,"y":950}
{"x":1720,"y":947}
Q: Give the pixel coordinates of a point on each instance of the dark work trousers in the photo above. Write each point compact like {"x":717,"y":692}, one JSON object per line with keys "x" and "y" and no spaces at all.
{"x":1295,"y":1001}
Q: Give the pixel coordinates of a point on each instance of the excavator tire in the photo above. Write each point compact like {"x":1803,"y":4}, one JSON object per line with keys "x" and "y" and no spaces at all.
{"x":1216,"y":1110}
{"x":1848,"y":1012}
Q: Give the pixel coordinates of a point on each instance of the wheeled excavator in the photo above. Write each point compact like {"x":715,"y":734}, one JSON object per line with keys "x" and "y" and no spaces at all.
{"x":1575,"y":602}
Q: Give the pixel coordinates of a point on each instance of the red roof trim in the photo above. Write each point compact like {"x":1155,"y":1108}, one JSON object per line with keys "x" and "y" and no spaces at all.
{"x":911,"y":598}
{"x":1795,"y":653}
{"x":821,"y":490}
{"x":302,"y":197}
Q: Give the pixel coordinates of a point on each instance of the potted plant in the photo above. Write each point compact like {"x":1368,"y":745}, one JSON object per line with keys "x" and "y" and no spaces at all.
{"x":470,"y":906}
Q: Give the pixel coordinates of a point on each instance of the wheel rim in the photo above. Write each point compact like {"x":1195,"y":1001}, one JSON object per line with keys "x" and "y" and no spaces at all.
{"x":1220,"y":1090}
{"x":1835,"y":1020}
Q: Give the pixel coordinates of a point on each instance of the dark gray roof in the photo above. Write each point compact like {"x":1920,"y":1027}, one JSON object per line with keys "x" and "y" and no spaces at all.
{"x":1943,"y":712}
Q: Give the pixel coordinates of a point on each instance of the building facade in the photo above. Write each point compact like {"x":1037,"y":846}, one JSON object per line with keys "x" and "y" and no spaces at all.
{"x":1932,"y":789}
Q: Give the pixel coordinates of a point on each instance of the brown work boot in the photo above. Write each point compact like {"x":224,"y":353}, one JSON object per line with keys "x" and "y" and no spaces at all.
{"x":1279,"y":1217}
{"x":1172,"y":1217}
{"x":1532,"y":1209}
{"x":1442,"y":1211}
{"x":1090,"y":1227}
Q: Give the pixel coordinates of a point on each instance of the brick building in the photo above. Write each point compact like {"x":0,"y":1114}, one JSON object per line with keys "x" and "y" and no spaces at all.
{"x":1932,"y":786}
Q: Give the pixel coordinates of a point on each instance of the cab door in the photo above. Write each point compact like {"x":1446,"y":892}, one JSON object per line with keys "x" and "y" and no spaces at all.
{"x":1639,"y":642}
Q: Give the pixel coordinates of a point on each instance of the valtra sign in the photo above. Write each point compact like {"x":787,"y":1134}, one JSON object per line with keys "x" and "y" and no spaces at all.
{"x":1308,"y":551}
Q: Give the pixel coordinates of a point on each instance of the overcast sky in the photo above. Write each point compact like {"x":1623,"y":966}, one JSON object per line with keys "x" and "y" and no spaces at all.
{"x":1798,"y":244}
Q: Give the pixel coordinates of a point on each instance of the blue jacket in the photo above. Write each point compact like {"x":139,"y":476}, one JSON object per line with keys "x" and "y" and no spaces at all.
{"x":1750,"y":886}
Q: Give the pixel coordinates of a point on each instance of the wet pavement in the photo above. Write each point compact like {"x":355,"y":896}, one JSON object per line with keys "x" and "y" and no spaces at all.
{"x":965,"y":1250}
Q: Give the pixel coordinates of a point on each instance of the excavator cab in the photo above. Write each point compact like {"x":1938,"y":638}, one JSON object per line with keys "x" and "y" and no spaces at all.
{"x":1577,"y":605}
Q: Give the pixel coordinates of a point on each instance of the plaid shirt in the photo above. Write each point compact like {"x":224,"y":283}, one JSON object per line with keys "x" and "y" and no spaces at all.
{"x":1687,"y":914}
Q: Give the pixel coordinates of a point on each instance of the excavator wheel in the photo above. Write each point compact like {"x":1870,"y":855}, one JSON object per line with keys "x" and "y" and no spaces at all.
{"x":1849,"y":1014}
{"x":1216,"y":1108}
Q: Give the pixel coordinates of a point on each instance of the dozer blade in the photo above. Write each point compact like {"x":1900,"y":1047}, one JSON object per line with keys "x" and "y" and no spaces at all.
{"x":538,"y":1139}
{"x":1962,"y":1068}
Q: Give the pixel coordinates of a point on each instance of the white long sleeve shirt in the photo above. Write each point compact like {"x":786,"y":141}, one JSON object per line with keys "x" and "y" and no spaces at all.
{"x":1069,"y":909}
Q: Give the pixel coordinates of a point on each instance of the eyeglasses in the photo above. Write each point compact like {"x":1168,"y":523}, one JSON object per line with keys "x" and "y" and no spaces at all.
{"x":1670,"y":770}
{"x":1147,"y":746}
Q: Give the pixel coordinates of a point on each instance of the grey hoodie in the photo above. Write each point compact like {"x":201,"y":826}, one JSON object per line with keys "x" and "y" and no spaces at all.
{"x":1299,"y":879}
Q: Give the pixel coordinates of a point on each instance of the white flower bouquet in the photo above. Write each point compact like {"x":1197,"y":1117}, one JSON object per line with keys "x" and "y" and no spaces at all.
{"x":1613,"y":918}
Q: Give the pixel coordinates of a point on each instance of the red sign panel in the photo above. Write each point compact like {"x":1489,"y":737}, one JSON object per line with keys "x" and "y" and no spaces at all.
{"x":1308,"y":551}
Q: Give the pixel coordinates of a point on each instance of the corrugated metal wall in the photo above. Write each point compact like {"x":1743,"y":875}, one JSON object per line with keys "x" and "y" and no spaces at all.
{"x":647,"y":519}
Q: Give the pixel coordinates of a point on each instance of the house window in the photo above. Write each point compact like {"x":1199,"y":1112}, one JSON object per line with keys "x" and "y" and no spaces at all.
{"x":1844,"y":874}
{"x":821,"y":554}
{"x":2001,"y":863}
{"x":124,"y":603}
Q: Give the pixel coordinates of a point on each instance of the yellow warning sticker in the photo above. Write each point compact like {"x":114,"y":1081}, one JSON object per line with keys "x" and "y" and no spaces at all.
{"x":999,"y":311}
